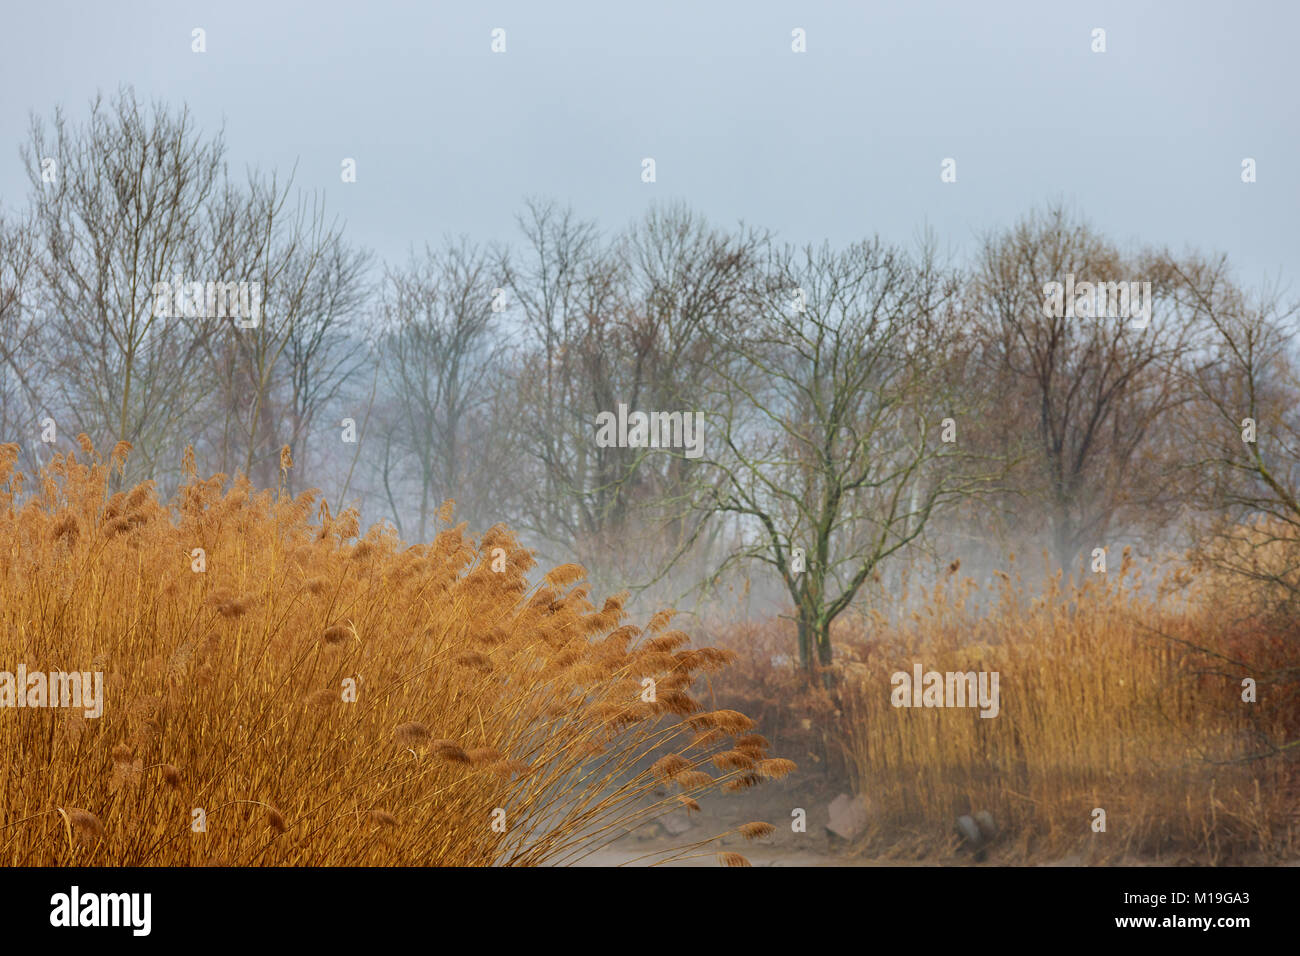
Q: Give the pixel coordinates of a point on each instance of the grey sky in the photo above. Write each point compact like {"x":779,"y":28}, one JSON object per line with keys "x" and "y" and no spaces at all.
{"x":844,"y":141}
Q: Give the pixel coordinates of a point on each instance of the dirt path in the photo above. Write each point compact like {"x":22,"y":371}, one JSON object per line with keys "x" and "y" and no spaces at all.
{"x":757,"y":856}
{"x":775,"y":803}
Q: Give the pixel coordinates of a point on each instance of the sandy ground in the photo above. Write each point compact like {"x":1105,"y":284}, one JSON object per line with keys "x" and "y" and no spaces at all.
{"x":714,"y":828}
{"x":757,"y":856}
{"x":773,"y":803}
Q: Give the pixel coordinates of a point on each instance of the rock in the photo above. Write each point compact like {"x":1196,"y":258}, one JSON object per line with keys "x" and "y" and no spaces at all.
{"x":848,"y":817}
{"x":987,"y":827}
{"x":970,"y":831}
{"x":676,"y":823}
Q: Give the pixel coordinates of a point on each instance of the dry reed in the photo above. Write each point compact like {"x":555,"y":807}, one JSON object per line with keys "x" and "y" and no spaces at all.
{"x":307,"y":677}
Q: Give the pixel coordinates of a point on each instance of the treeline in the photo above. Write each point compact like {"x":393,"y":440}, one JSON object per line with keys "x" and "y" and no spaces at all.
{"x":856,"y":404}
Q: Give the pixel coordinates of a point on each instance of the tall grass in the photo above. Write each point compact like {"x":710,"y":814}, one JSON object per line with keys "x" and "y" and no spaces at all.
{"x":494,"y":721}
{"x":1114,"y":695}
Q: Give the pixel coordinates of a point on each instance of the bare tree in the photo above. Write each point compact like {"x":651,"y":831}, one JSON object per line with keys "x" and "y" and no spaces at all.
{"x":630,"y":323}
{"x":1084,"y":390}
{"x":277,"y":374}
{"x":441,"y":350}
{"x":1243,"y":428}
{"x":118,"y":204}
{"x":559,"y":283}
{"x":20,"y":338}
{"x":690,"y":286}
{"x":825,"y":430}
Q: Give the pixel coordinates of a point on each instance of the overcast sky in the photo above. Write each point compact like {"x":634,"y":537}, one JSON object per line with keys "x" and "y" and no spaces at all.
{"x":840,"y":142}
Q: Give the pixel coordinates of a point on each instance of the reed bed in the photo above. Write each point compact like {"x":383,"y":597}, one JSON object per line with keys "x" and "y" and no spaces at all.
{"x":281,"y":689}
{"x":1116,"y":694}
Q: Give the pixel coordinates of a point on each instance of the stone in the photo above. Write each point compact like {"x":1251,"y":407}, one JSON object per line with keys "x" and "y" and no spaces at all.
{"x":970,"y":831}
{"x":676,"y":823}
{"x":848,"y":817}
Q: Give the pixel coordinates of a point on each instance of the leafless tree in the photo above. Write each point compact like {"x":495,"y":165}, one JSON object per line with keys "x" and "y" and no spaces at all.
{"x":629,"y":322}
{"x":825,"y":429}
{"x":690,"y":288}
{"x":276,"y":376}
{"x":20,"y":339}
{"x":558,"y":283}
{"x":1242,"y":431}
{"x":118,"y":204}
{"x":442,"y":349}
{"x":1081,"y":394}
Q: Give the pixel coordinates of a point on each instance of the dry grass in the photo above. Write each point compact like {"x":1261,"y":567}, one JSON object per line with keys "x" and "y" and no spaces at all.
{"x":480,"y":699}
{"x":764,"y":681}
{"x":1114,"y":695}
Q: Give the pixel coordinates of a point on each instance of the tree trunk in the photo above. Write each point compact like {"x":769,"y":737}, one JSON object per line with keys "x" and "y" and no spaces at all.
{"x":824,"y":653}
{"x":805,"y":645}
